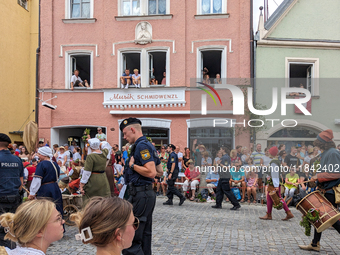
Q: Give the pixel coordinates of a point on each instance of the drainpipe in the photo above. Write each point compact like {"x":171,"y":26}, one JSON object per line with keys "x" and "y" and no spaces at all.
{"x":37,"y":73}
{"x":252,"y":60}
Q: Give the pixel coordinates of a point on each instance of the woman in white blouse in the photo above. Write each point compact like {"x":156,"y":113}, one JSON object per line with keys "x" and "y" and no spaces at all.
{"x":61,"y":155}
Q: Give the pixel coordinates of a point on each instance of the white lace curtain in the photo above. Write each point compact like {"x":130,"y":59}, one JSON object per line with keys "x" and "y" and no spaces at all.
{"x":211,"y":6}
{"x":131,"y":7}
{"x":157,"y":7}
{"x":80,"y":9}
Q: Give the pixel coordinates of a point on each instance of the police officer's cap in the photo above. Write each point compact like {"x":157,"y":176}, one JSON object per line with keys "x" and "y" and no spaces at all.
{"x":5,"y":138}
{"x":172,"y":146}
{"x":128,"y":122}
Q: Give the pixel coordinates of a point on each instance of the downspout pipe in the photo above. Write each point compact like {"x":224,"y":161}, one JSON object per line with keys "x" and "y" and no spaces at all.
{"x":252,"y":60}
{"x":37,"y":73}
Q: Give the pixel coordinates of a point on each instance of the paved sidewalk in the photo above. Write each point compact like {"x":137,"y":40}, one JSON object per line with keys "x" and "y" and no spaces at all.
{"x":196,"y":228}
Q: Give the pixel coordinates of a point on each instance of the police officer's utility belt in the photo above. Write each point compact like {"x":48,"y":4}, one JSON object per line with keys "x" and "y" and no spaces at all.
{"x":10,"y":199}
{"x":143,"y":188}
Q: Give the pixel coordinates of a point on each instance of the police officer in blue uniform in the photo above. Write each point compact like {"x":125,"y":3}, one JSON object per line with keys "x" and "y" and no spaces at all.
{"x":141,"y":168}
{"x":173,"y":170}
{"x":11,"y":179}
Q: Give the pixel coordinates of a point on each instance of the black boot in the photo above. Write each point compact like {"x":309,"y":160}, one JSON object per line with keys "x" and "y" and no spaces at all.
{"x":169,"y":202}
{"x":216,"y":207}
{"x":235,"y":207}
{"x":181,"y":201}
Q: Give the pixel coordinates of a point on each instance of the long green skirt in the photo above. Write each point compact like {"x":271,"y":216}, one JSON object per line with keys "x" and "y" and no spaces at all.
{"x":97,"y":186}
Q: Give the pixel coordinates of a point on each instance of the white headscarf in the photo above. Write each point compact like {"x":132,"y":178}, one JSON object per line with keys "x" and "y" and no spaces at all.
{"x":106,"y":145}
{"x":94,"y":143}
{"x":45,"y":151}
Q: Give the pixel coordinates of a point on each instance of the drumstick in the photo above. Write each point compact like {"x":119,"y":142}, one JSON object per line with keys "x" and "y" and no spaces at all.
{"x":304,"y":182}
{"x":26,"y":190}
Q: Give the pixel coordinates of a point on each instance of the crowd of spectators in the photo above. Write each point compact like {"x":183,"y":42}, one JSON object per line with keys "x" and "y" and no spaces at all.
{"x":246,"y":168}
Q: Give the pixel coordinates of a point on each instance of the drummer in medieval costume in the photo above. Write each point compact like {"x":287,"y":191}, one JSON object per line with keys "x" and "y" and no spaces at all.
{"x":327,"y":178}
{"x":274,"y":189}
{"x":45,"y":179}
{"x":94,"y":181}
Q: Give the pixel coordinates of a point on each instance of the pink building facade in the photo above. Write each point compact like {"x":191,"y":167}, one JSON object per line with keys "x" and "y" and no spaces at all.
{"x":177,"y":38}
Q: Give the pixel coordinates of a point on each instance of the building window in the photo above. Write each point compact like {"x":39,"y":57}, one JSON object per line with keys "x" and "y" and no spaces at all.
{"x":23,"y":3}
{"x":211,"y":65}
{"x":211,"y":138}
{"x":300,"y":75}
{"x":151,"y":64}
{"x":80,"y":9}
{"x":212,"y":6}
{"x":303,"y":136}
{"x":131,"y":61}
{"x":157,"y":7}
{"x":303,"y":73}
{"x":83,"y":62}
{"x":157,"y":68}
{"x":159,"y":136}
{"x":131,"y":7}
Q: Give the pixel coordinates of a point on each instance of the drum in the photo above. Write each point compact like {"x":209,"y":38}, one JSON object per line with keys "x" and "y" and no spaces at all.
{"x":328,"y":215}
{"x":78,"y":201}
{"x":66,"y":200}
{"x":276,"y":199}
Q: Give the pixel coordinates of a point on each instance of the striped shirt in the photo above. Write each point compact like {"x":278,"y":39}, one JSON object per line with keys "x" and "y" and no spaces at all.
{"x":256,"y":156}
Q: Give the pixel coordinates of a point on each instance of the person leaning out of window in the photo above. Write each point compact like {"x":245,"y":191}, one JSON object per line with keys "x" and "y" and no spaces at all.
{"x":76,"y":81}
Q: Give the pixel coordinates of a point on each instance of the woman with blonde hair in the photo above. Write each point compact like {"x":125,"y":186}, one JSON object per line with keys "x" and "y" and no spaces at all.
{"x":107,"y":223}
{"x":34,"y":226}
{"x":234,"y":158}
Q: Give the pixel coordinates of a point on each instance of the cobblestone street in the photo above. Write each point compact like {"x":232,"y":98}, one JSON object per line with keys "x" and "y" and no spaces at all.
{"x":196,"y":228}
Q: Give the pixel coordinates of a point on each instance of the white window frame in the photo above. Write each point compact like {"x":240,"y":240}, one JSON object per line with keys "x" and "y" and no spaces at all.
{"x":315,"y":62}
{"x":222,"y":48}
{"x":199,"y":8}
{"x":167,"y":51}
{"x":120,"y":63}
{"x":143,"y":9}
{"x":68,"y":10}
{"x":68,"y":65}
{"x":167,"y":11}
{"x":144,"y":64}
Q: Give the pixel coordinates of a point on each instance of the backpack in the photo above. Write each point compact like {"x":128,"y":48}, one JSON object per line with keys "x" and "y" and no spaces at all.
{"x":237,"y":193}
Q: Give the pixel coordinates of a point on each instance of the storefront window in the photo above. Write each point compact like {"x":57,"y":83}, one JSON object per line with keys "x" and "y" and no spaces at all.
{"x":159,"y":136}
{"x":296,"y":132}
{"x":298,"y":136}
{"x":211,"y":138}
